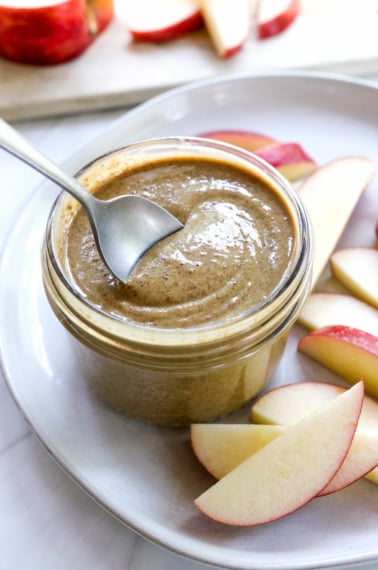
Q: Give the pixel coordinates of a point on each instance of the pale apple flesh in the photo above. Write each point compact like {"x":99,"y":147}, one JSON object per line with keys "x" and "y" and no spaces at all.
{"x":275,"y":16}
{"x":228,"y":24}
{"x":149,"y":20}
{"x":222,"y":447}
{"x":357,"y":269}
{"x":248,"y":140}
{"x":289,"y":471}
{"x":326,"y":309}
{"x":361,"y":459}
{"x":330,"y":195}
{"x":51,"y":33}
{"x":350,"y":353}
{"x":291,"y":403}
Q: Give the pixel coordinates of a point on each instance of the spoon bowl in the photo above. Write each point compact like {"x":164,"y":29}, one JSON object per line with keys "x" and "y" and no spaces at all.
{"x":124,"y":228}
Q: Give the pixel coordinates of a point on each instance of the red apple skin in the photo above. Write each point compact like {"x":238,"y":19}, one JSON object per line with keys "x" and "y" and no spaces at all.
{"x":248,"y":140}
{"x":191,"y":24}
{"x":52,"y":34}
{"x":280,"y":23}
{"x":279,"y":154}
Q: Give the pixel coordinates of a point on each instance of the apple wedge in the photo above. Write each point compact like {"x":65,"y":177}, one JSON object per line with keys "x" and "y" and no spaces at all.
{"x":288,"y":404}
{"x":228,"y":24}
{"x":244,"y":139}
{"x":326,"y":309}
{"x":152,"y":21}
{"x":291,"y":403}
{"x":46,"y":32}
{"x":290,"y":470}
{"x":361,"y":459}
{"x":330,"y":195}
{"x":289,"y":158}
{"x":350,"y":353}
{"x":222,"y":447}
{"x":357,"y":269}
{"x":275,"y":16}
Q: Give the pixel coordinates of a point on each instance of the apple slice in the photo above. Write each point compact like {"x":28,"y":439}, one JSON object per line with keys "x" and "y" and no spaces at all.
{"x":149,"y":20}
{"x":227,"y":23}
{"x":289,"y":158}
{"x":291,"y":403}
{"x":357,"y":269}
{"x":275,"y":16}
{"x":48,"y":32}
{"x":361,"y":459}
{"x":349,"y":352}
{"x":289,"y":471}
{"x":222,"y":447}
{"x":325,"y":309}
{"x":330,"y":196}
{"x":244,"y":139}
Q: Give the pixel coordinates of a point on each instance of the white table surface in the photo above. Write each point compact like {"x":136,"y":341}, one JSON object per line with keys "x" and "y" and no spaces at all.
{"x":46,"y":520}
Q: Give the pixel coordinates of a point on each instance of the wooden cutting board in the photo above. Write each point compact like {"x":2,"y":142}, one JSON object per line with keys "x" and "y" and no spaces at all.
{"x":114,"y":72}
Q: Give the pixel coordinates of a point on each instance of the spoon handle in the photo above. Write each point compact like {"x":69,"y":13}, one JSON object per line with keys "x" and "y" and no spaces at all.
{"x":12,"y":141}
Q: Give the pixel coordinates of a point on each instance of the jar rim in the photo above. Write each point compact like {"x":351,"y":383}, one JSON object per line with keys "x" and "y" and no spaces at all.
{"x":298,"y":267}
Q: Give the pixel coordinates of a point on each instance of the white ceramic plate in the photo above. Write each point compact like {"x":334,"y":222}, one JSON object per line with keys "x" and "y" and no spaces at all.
{"x":147,"y":476}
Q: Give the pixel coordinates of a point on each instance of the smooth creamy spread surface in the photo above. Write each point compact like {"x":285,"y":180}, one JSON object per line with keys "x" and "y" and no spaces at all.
{"x":232,"y":253}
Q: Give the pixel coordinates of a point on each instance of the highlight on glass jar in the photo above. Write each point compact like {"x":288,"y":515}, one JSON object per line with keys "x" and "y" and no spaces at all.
{"x":198,"y":327}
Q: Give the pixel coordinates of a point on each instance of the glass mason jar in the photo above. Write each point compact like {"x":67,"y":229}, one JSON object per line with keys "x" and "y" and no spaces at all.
{"x":177,"y":376}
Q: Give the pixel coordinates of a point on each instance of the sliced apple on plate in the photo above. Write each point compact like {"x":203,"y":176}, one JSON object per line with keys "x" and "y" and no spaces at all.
{"x":350,"y":353}
{"x":228,"y":24}
{"x":248,"y":140}
{"x":330,"y":195}
{"x":275,"y":16}
{"x":357,"y":269}
{"x":222,"y":447}
{"x":46,"y":32}
{"x":289,"y":158}
{"x":289,"y":471}
{"x":291,"y":403}
{"x":157,"y":21}
{"x":326,"y":309}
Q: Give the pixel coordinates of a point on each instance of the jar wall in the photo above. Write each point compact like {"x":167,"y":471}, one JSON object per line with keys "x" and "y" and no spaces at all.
{"x":171,"y":397}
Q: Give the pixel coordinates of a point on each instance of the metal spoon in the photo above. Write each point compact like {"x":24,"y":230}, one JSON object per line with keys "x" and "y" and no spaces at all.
{"x":124,"y":227}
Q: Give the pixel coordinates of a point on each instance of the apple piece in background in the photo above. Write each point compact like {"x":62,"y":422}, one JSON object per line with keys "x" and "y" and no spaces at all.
{"x":290,"y":470}
{"x":350,"y":353}
{"x":376,"y":230}
{"x":330,"y":195}
{"x":357,"y":269}
{"x":103,"y":13}
{"x":244,"y":139}
{"x":326,"y":309}
{"x":159,"y":21}
{"x":46,"y":32}
{"x":362,"y":458}
{"x":222,"y":447}
{"x":275,"y":16}
{"x":228,"y":24}
{"x":289,"y":158}
{"x":288,"y":404}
